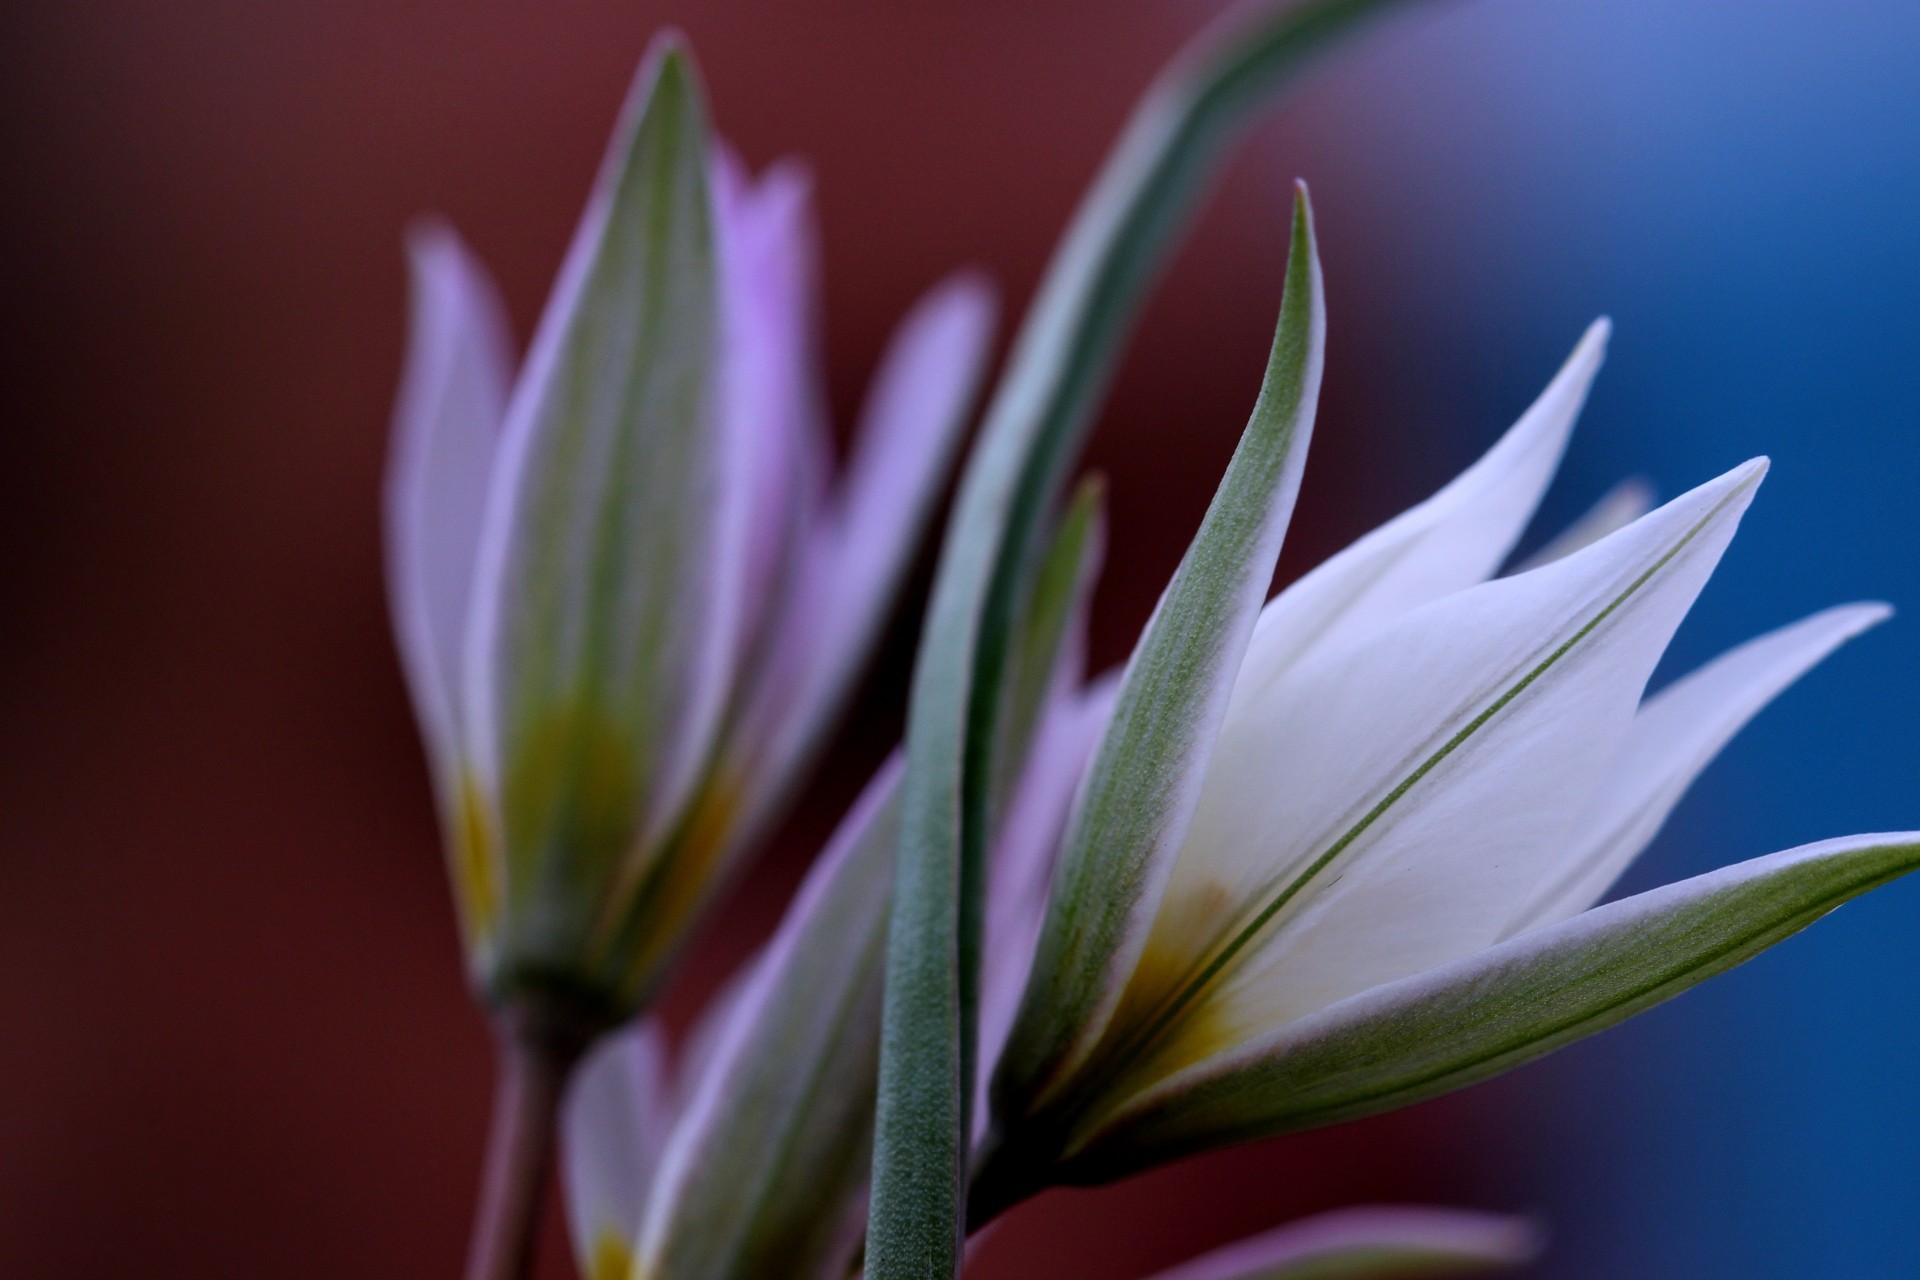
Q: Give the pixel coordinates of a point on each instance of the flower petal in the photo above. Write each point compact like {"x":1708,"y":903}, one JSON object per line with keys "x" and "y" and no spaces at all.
{"x":772,"y":404}
{"x":1392,"y":805}
{"x":858,"y":553}
{"x":446,"y":426}
{"x":606,"y":609}
{"x":1676,"y":734}
{"x":1453,"y":540}
{"x":765,"y":1173}
{"x":613,"y":1126}
{"x":1478,"y":1016}
{"x":1372,"y":1243}
{"x":1145,"y":778}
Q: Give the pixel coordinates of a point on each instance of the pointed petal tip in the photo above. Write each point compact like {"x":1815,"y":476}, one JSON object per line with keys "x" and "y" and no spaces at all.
{"x":428,"y":234}
{"x":792,"y":177}
{"x":1592,"y":347}
{"x":435,"y":249}
{"x":1636,"y":490}
{"x":667,"y":65}
{"x":1860,"y":616}
{"x":972,"y":294}
{"x":958,"y":314}
{"x":669,"y":44}
{"x":1521,"y":1240}
{"x":1740,"y":481}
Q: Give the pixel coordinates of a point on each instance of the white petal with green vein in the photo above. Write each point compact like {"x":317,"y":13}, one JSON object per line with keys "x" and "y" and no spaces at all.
{"x":1392,"y":803}
{"x":1675,"y":735}
{"x":1480,"y":1015}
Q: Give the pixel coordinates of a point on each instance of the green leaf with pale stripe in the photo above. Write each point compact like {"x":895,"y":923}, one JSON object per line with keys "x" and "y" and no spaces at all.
{"x":1435,"y":1032}
{"x":1058,"y":367}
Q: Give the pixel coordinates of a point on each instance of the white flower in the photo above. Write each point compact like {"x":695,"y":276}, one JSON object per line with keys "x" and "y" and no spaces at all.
{"x":1348,"y":868}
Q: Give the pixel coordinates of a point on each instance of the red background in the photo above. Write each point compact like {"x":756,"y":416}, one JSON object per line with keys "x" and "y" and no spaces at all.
{"x":236,"y":1041}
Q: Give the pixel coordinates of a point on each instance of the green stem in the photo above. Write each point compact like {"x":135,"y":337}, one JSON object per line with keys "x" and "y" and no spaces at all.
{"x":536,"y":1055}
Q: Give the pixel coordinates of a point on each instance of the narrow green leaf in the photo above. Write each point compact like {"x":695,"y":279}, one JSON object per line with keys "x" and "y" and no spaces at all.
{"x":1059,"y":366}
{"x":1466,"y":1021}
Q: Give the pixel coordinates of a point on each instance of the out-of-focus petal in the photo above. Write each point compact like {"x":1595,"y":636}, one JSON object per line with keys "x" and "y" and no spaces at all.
{"x":1441,"y":1030}
{"x":1453,"y":540}
{"x":713,"y":1028}
{"x":1387,"y":1242}
{"x":1676,"y":734}
{"x":766,"y":1169}
{"x":445,"y":429}
{"x":1401,"y":798}
{"x":607,"y":601}
{"x":771,"y":404}
{"x":613,"y":1126}
{"x":867,"y":537}
{"x":1617,"y":508}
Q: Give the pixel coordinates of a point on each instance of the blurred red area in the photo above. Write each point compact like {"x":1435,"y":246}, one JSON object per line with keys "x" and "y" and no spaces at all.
{"x":237,"y":1041}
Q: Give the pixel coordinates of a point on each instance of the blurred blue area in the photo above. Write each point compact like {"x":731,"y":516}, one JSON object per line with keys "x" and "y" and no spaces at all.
{"x":1739,"y":187}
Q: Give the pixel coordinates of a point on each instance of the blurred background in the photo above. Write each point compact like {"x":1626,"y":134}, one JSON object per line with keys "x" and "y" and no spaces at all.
{"x":235,"y":1040}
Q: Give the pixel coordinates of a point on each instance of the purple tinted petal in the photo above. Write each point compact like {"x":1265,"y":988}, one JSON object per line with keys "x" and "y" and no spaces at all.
{"x":915,"y":414}
{"x":860,"y":550}
{"x":445,"y":429}
{"x":613,"y":1127}
{"x":1373,"y":1242}
{"x":765,"y":1170}
{"x":771,"y":401}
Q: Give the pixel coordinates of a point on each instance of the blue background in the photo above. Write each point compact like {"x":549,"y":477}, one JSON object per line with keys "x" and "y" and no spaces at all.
{"x":1739,"y":187}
